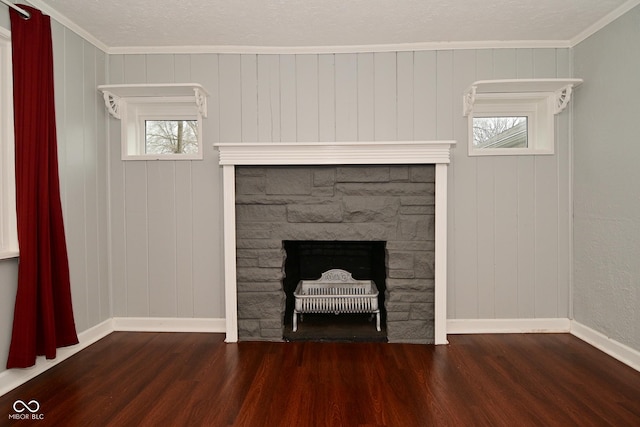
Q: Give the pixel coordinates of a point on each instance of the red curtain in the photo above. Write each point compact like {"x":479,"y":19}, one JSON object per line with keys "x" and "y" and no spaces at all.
{"x":43,"y":316}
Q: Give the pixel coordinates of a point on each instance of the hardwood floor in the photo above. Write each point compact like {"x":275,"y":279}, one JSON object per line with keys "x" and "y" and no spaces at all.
{"x":172,"y":379}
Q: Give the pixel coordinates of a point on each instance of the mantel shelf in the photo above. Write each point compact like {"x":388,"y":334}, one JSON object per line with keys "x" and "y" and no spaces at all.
{"x":334,"y":153}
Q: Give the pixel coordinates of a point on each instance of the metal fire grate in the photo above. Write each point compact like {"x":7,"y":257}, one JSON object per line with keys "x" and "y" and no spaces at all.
{"x":335,"y":292}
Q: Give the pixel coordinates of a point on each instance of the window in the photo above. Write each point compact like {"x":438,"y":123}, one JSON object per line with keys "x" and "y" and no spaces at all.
{"x":171,"y":136}
{"x":500,"y":132}
{"x":515,"y":117}
{"x":159,"y":122}
{"x":8,"y":233}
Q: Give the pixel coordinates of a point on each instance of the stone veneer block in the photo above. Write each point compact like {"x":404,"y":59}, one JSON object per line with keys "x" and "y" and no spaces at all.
{"x":370,"y":208}
{"x":399,"y":173}
{"x":261,"y":213}
{"x":362,"y":174}
{"x":385,"y":188}
{"x":314,"y":213}
{"x":288,"y":180}
{"x":422,"y":174}
{"x":324,"y":177}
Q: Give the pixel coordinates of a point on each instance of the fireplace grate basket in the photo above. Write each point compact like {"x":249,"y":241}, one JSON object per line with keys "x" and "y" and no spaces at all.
{"x":336,"y":292}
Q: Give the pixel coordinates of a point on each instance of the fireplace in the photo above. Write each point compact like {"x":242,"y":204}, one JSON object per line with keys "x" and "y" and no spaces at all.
{"x":309,"y":260}
{"x":381,"y":191}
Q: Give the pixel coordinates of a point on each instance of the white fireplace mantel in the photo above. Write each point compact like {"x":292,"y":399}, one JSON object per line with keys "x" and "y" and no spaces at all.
{"x":334,"y":153}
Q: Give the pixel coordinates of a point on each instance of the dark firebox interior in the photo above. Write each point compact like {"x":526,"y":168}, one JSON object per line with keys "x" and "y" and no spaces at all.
{"x":307,"y":260}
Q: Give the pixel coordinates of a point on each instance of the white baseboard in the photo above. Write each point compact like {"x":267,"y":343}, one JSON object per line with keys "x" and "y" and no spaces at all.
{"x":613,"y":348}
{"x":168,"y":324}
{"x":12,"y":378}
{"x":507,"y":326}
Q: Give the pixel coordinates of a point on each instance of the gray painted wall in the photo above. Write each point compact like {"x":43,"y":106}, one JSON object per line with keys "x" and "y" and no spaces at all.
{"x":82,"y":155}
{"x":606,"y":290}
{"x":509,"y":218}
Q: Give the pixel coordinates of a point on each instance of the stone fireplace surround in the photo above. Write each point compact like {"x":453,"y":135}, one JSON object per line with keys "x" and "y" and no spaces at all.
{"x":337,"y":153}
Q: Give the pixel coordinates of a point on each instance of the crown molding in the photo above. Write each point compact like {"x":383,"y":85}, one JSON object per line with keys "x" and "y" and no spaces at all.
{"x":62,"y":19}
{"x":398,"y":47}
{"x":603,"y":22}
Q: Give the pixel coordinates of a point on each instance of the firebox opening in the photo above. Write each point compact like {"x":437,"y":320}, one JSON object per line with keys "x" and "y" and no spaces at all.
{"x":307,"y":260}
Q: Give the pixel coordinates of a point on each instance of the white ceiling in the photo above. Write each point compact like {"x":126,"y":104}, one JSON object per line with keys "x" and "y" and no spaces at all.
{"x":329,"y":23}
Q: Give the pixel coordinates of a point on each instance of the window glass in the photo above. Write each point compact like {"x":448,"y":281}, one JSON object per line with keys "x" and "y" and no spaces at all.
{"x":500,"y":132}
{"x":171,"y":136}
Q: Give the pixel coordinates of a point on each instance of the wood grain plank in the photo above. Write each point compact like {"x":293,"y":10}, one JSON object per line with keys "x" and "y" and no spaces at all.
{"x":151,"y":379}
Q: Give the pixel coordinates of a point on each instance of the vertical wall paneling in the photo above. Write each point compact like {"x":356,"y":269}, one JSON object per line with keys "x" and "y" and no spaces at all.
{"x":564,"y":166}
{"x":117,"y":180}
{"x":75,"y":212}
{"x":366,"y":97}
{"x":249,"y":90}
{"x":182,"y":69}
{"x":102,"y":187}
{"x":346,"y":99}
{"x":161,"y":221}
{"x":505,"y":210}
{"x":526,"y":210}
{"x":161,"y":213}
{"x":327,"y":116}
{"x":405,"y":80}
{"x":385,"y":96}
{"x":82,"y":165}
{"x":90,"y":93}
{"x":288,"y":98}
{"x":135,"y":69}
{"x":206,"y":181}
{"x":230,"y":98}
{"x":135,"y":212}
{"x":546,"y":210}
{"x":424,"y":95}
{"x":160,"y":69}
{"x":486,"y":221}
{"x":463,"y":238}
{"x":307,"y":97}
{"x":137,"y":239}
{"x":524,"y":63}
{"x":268,"y":98}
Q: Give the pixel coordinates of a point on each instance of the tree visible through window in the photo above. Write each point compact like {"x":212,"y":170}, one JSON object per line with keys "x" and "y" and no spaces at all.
{"x":171,"y":136}
{"x":500,"y":132}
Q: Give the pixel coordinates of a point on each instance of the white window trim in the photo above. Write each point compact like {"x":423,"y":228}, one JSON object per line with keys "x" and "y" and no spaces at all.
{"x":8,"y":236}
{"x":538,"y":99}
{"x":540,"y":122}
{"x":133,"y":103}
{"x":137,"y":110}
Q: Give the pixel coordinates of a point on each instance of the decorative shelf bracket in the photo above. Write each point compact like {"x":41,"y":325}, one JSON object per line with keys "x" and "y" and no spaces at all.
{"x":563,"y":96}
{"x":112,"y":102}
{"x":201,"y":100}
{"x":469,"y":99}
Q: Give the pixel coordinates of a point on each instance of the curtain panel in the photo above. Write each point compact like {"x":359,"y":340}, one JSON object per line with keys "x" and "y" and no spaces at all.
{"x":43,"y":316}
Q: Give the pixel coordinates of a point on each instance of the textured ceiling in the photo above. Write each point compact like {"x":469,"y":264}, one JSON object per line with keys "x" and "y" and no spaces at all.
{"x":296,"y":23}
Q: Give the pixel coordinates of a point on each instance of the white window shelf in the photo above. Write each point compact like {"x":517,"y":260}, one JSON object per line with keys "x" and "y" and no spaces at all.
{"x":140,"y":105}
{"x":534,"y":102}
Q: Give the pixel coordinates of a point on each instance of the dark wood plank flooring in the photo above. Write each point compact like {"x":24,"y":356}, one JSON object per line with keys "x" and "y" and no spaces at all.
{"x":173,"y":379}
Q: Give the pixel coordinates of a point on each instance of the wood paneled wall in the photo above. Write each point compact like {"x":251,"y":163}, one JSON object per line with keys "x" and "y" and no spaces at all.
{"x":509,"y":222}
{"x":79,"y":67}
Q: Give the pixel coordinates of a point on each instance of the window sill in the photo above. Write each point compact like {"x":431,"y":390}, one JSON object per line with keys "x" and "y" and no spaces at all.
{"x":9,"y":254}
